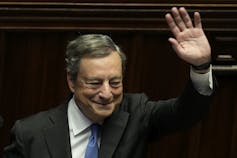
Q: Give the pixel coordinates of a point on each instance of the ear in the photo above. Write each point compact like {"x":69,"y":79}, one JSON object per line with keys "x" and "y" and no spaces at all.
{"x":70,"y":83}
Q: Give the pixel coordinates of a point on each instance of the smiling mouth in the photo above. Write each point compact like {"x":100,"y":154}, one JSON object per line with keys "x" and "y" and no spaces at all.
{"x":103,"y":104}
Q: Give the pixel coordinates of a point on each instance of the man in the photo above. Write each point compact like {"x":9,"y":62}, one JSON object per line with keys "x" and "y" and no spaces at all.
{"x":95,"y":67}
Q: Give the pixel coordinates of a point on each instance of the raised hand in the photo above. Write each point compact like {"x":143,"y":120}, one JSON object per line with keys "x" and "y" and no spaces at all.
{"x":190,"y":42}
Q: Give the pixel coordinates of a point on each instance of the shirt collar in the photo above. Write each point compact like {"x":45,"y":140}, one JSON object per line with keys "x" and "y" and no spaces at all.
{"x":77,"y":121}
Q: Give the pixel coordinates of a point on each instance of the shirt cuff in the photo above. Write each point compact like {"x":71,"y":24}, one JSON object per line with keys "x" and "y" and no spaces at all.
{"x":203,"y":83}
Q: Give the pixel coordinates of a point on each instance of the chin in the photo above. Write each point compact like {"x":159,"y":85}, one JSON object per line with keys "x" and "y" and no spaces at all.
{"x":105,"y":112}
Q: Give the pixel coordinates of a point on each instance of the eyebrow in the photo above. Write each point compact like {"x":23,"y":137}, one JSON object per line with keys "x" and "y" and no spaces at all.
{"x":115,"y":78}
{"x":97,"y":78}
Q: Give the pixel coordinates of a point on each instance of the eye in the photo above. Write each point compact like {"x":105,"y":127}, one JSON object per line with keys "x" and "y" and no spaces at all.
{"x":115,"y":84}
{"x":93,"y":84}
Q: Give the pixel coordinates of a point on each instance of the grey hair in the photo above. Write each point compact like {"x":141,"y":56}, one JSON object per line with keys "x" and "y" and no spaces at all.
{"x":90,"y":45}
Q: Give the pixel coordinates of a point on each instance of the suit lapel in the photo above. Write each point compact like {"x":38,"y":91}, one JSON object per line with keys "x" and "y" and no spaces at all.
{"x":58,"y":139}
{"x":57,"y":135}
{"x":112,"y":131}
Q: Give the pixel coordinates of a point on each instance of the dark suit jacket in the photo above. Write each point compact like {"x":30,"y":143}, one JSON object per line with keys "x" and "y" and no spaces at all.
{"x":124,"y":135}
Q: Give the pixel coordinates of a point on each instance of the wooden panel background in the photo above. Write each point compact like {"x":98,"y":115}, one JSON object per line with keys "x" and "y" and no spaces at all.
{"x":33,"y":36}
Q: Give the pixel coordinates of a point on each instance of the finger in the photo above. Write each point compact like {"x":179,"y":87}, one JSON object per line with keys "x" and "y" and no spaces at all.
{"x":186,"y":18}
{"x":172,"y":25}
{"x":197,"y":20}
{"x":176,"y":46}
{"x":178,"y":19}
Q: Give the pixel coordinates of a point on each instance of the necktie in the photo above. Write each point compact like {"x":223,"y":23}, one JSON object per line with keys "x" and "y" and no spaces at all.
{"x":92,"y":146}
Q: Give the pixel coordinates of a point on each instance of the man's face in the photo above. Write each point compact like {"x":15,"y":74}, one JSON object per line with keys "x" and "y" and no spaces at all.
{"x":98,"y":88}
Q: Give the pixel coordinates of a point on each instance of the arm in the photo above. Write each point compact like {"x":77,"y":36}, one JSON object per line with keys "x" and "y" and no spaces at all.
{"x":16,"y":148}
{"x":192,"y":46}
{"x":181,"y":113}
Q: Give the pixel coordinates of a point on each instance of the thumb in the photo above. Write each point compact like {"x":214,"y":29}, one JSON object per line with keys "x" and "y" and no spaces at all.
{"x":175,"y":45}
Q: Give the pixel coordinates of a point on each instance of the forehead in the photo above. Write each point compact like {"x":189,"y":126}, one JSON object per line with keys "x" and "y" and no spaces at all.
{"x":107,"y":66}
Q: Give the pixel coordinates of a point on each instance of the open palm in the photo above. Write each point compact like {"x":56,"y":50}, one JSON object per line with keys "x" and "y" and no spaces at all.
{"x":190,"y":42}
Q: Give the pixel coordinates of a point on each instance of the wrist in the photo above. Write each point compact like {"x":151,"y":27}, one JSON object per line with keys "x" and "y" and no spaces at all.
{"x":204,"y":66}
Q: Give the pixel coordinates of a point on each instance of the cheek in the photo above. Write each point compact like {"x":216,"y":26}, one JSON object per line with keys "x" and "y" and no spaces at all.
{"x":117,"y":92}
{"x":85,"y":94}
{"x":92,"y":93}
{"x":118,"y":96}
{"x":89,"y":93}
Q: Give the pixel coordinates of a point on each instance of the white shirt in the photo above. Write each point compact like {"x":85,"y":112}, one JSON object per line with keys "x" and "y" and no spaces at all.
{"x":79,"y":124}
{"x":203,"y":83}
{"x":79,"y":130}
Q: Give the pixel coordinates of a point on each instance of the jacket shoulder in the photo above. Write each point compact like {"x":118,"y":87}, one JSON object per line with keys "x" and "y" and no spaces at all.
{"x":39,"y":121}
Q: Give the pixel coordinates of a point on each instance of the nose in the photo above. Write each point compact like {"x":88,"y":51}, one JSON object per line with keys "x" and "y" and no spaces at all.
{"x":105,"y":92}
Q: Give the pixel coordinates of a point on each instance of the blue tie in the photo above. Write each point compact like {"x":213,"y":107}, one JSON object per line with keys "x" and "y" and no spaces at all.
{"x":92,"y":146}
